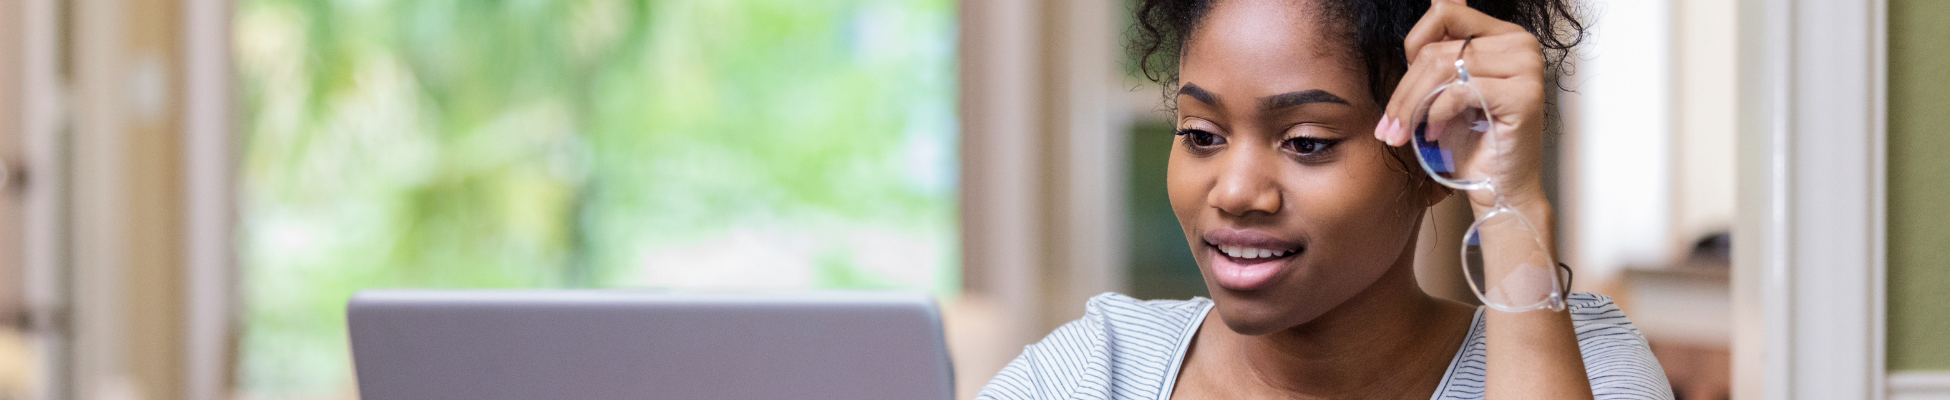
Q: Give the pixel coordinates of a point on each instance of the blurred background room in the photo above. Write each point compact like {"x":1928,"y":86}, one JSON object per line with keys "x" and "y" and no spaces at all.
{"x":192,"y":189}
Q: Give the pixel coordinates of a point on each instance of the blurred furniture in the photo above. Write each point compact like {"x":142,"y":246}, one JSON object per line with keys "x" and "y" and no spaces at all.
{"x":1685,"y":312}
{"x":14,"y":364}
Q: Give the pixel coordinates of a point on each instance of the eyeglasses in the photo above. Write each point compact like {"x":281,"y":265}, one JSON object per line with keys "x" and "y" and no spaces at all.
{"x":1504,"y":257}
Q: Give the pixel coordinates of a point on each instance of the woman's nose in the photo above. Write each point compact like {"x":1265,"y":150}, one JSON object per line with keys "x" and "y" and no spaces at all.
{"x":1247,"y":183}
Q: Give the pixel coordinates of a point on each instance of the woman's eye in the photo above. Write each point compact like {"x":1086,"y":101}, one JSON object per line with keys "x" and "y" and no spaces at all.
{"x":1309,"y":146}
{"x":1199,"y":138}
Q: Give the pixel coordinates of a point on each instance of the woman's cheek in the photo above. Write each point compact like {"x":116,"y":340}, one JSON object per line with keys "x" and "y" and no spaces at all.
{"x":1186,"y":184}
{"x":1358,"y":213}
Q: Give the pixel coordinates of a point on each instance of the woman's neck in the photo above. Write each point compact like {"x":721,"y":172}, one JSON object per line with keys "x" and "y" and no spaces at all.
{"x":1390,"y":341}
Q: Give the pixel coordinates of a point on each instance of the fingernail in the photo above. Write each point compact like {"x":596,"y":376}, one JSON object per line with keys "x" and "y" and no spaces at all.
{"x":1395,"y":134}
{"x":1388,"y":130}
{"x":1379,"y":126}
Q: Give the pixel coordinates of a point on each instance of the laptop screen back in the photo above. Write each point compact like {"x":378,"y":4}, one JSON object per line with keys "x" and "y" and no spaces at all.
{"x":614,"y":344}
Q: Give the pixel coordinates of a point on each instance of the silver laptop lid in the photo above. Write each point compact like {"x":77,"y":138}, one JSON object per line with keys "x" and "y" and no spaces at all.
{"x":618,"y":344}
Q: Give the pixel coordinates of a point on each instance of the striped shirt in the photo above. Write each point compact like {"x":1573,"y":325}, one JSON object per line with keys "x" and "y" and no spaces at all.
{"x":1130,"y":349}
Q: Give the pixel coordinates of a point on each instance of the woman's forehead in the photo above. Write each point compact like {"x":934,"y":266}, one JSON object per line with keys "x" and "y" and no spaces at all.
{"x":1262,"y":47}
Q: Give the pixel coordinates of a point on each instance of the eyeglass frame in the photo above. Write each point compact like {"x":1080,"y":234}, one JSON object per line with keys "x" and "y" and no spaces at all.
{"x":1558,"y":299}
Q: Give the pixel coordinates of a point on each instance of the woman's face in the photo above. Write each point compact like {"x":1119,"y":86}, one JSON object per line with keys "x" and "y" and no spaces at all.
{"x":1290,"y":204}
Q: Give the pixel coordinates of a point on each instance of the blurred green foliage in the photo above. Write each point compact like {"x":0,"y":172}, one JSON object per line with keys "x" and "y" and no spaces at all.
{"x":582,"y":143}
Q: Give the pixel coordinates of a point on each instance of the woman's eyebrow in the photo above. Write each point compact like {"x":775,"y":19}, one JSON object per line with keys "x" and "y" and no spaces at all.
{"x":1309,"y":96}
{"x":1198,"y":93}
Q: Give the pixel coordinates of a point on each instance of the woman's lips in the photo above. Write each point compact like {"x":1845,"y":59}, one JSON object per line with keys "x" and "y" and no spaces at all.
{"x":1245,"y":260}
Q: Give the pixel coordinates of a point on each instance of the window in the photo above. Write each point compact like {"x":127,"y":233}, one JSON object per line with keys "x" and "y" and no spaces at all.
{"x":582,"y":143}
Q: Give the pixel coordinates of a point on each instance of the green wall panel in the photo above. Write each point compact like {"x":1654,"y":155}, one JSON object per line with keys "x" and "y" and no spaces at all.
{"x":1919,"y":185}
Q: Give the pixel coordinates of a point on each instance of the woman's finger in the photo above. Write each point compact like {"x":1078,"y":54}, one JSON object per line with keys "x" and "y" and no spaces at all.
{"x":1423,"y":76}
{"x":1494,"y":57}
{"x":1499,"y":56}
{"x":1447,"y":21}
{"x":1455,"y":107}
{"x":1498,"y":49}
{"x":1515,"y":140}
{"x":1515,"y":104}
{"x":1461,"y":119}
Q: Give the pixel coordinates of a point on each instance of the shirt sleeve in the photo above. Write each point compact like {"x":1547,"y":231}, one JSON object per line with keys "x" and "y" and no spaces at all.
{"x":1616,"y":356}
{"x":1072,"y":360}
{"x":1017,"y":381}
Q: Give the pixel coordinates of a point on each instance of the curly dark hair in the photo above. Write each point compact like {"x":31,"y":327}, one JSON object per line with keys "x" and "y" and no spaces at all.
{"x":1377,"y":27}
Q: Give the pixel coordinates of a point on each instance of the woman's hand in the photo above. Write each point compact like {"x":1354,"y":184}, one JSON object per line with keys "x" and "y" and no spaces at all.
{"x":1532,"y":354}
{"x":1507,"y":64}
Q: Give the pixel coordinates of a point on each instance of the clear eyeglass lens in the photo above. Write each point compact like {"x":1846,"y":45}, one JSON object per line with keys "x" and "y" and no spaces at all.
{"x":1449,"y":127}
{"x":1507,"y":265}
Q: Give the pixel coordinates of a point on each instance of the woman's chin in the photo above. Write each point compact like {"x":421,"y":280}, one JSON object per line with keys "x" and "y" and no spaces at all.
{"x":1252,"y":319}
{"x":1279,"y":305}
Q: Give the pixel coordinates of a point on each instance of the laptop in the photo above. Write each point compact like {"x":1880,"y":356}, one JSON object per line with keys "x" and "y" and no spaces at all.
{"x":622,"y":344}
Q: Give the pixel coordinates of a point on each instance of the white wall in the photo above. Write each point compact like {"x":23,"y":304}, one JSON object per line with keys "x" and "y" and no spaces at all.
{"x":1650,"y":134}
{"x":1619,"y":131}
{"x":1703,"y":113}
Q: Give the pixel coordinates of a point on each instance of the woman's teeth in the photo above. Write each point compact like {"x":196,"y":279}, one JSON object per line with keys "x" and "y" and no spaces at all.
{"x":1251,"y":253}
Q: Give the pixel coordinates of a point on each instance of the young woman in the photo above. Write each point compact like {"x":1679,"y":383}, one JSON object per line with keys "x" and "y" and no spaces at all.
{"x":1300,"y":199}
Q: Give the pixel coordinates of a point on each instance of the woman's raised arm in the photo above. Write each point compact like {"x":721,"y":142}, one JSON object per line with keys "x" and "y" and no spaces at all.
{"x":1532,"y":354}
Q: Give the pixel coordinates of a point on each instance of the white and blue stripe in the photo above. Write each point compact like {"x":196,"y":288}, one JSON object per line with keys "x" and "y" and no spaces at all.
{"x":1129,"y":349}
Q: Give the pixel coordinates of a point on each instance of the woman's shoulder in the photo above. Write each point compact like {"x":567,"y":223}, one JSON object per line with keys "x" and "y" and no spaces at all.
{"x":1597,"y":318}
{"x":1120,"y":330}
{"x":1597,"y":309}
{"x":1122,"y":347}
{"x":1118,"y":308}
{"x":1616,"y":356}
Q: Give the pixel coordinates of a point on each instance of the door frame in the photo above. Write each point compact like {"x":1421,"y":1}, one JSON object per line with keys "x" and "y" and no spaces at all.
{"x":210,"y":206}
{"x":1809,"y":265}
